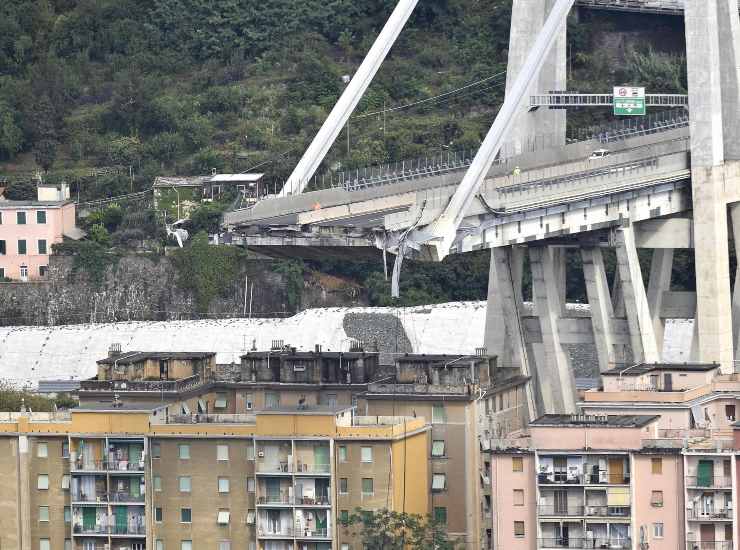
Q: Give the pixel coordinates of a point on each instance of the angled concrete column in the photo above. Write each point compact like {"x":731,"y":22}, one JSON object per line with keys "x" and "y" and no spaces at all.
{"x":602,"y":312}
{"x":642,"y":336}
{"x":527,"y":18}
{"x":555,"y":378}
{"x":661,"y":267}
{"x":503,"y":318}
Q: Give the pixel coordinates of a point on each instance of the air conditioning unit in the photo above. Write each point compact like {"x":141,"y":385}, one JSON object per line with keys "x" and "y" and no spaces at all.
{"x":261,"y":454}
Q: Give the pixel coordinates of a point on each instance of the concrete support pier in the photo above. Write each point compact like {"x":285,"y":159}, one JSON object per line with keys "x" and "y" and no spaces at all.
{"x":602,"y":311}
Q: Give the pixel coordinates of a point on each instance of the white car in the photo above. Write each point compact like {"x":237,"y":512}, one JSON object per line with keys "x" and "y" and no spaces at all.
{"x":599,"y":154}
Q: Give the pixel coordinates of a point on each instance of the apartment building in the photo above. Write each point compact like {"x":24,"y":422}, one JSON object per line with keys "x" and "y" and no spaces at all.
{"x":28,"y":229}
{"x":130,"y":476}
{"x":587,"y":482}
{"x":464,"y":401}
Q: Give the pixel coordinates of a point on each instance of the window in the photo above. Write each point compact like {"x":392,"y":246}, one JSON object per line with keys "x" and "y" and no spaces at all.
{"x":331,"y":400}
{"x":156,"y":450}
{"x":43,"y":481}
{"x":24,"y":272}
{"x":517,"y":464}
{"x":222,"y":452}
{"x":42,"y":246}
{"x":223,"y":517}
{"x":67,"y":514}
{"x":343,"y":486}
{"x":438,"y":447}
{"x":366,"y":454}
{"x":44,"y":544}
{"x":1,"y":218}
{"x":250,"y":485}
{"x":65,"y":449}
{"x":658,"y":530}
{"x":221,"y":402}
{"x":249,"y":401}
{"x":184,"y":451}
{"x":20,"y":218}
{"x":367,"y":486}
{"x":250,"y":517}
{"x":158,"y":514}
{"x":518,"y":528}
{"x":22,"y":246}
{"x":656,"y":499}
{"x":43,"y":270}
{"x":250,"y":452}
{"x":345,"y":546}
{"x":43,"y":513}
{"x":41,"y":216}
{"x":439,"y":482}
{"x":438,"y":414}
{"x":440,"y":515}
{"x":344,"y":516}
{"x":657,"y":465}
{"x":2,"y":270}
{"x":65,"y":482}
{"x":186,"y":545}
{"x":224,"y":545}
{"x":186,"y":515}
{"x":223,"y":485}
{"x":342,"y":453}
{"x":272,"y":400}
{"x":3,"y":250}
{"x":185,"y":484}
{"x":42,"y":450}
{"x":157,"y":483}
{"x":730,"y":412}
{"x":518,"y":497}
{"x":159,"y":544}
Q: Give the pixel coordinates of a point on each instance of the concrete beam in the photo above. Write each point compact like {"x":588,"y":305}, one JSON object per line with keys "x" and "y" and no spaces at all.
{"x":678,"y":305}
{"x":729,"y":39}
{"x":602,"y":311}
{"x":555,"y":378}
{"x":661,"y":268}
{"x":642,"y":335}
{"x":665,"y":233}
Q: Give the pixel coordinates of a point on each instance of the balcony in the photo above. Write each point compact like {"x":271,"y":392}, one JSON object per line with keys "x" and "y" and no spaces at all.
{"x":712,"y":514}
{"x":129,"y":530}
{"x":89,"y":530}
{"x":312,"y":534}
{"x":94,"y":498}
{"x":80,"y":465}
{"x":125,"y":466}
{"x":126,"y":497}
{"x":240,"y":418}
{"x":709,"y":545}
{"x":313,"y":469}
{"x":608,"y":511}
{"x":281,"y":533}
{"x":720,"y":482}
{"x":280,"y":467}
{"x":585,"y":544}
{"x":560,"y":511}
{"x":559,"y":478}
{"x":321,"y":500}
{"x":282,"y":499}
{"x":158,"y":386}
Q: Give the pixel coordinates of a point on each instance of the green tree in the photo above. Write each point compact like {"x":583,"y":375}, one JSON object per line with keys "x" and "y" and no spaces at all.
{"x":12,"y":399}
{"x":21,"y":191}
{"x":207,"y":218}
{"x":11,"y":134}
{"x":99,"y":234}
{"x":205,"y":270}
{"x":45,"y":153}
{"x":389,"y":530}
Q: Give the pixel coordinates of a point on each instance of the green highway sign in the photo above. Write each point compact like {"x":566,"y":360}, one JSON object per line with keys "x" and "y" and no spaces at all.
{"x":629,"y":101}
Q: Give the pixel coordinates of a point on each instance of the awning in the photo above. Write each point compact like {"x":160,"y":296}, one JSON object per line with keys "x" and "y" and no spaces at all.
{"x":618,"y":496}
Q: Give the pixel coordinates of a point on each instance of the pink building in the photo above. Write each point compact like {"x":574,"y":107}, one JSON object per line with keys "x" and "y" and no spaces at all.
{"x":28,"y":229}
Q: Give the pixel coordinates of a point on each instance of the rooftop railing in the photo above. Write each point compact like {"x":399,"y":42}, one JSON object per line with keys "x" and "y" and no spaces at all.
{"x":180,"y":385}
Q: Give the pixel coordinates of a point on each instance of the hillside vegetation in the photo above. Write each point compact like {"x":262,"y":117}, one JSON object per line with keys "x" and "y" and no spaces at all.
{"x":108,"y":94}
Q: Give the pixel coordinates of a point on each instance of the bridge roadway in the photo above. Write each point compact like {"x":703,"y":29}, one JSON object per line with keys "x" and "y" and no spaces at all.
{"x":539,"y":201}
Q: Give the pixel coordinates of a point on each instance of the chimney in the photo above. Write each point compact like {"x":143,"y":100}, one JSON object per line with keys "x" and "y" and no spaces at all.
{"x":114,"y":350}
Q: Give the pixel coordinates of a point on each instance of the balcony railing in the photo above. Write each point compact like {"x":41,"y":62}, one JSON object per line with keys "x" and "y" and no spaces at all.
{"x":275,"y":499}
{"x":709,"y":514}
{"x":303,"y":468}
{"x":105,"y":465}
{"x":590,"y":478}
{"x":558,"y":511}
{"x":604,"y":477}
{"x":287,"y":532}
{"x":281,"y":467}
{"x":312,"y":533}
{"x":84,"y":497}
{"x":125,"y":466}
{"x":242,"y":418}
{"x":709,"y":545}
{"x":88,"y":465}
{"x":126,"y":497}
{"x":322,"y":500}
{"x":585,"y":544}
{"x":720,"y":482}
{"x":180,"y":385}
{"x":559,"y":478}
{"x":125,"y":530}
{"x":608,"y":511}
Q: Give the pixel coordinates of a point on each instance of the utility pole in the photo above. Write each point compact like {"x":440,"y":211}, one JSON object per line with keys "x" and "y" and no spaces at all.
{"x":246,"y":285}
